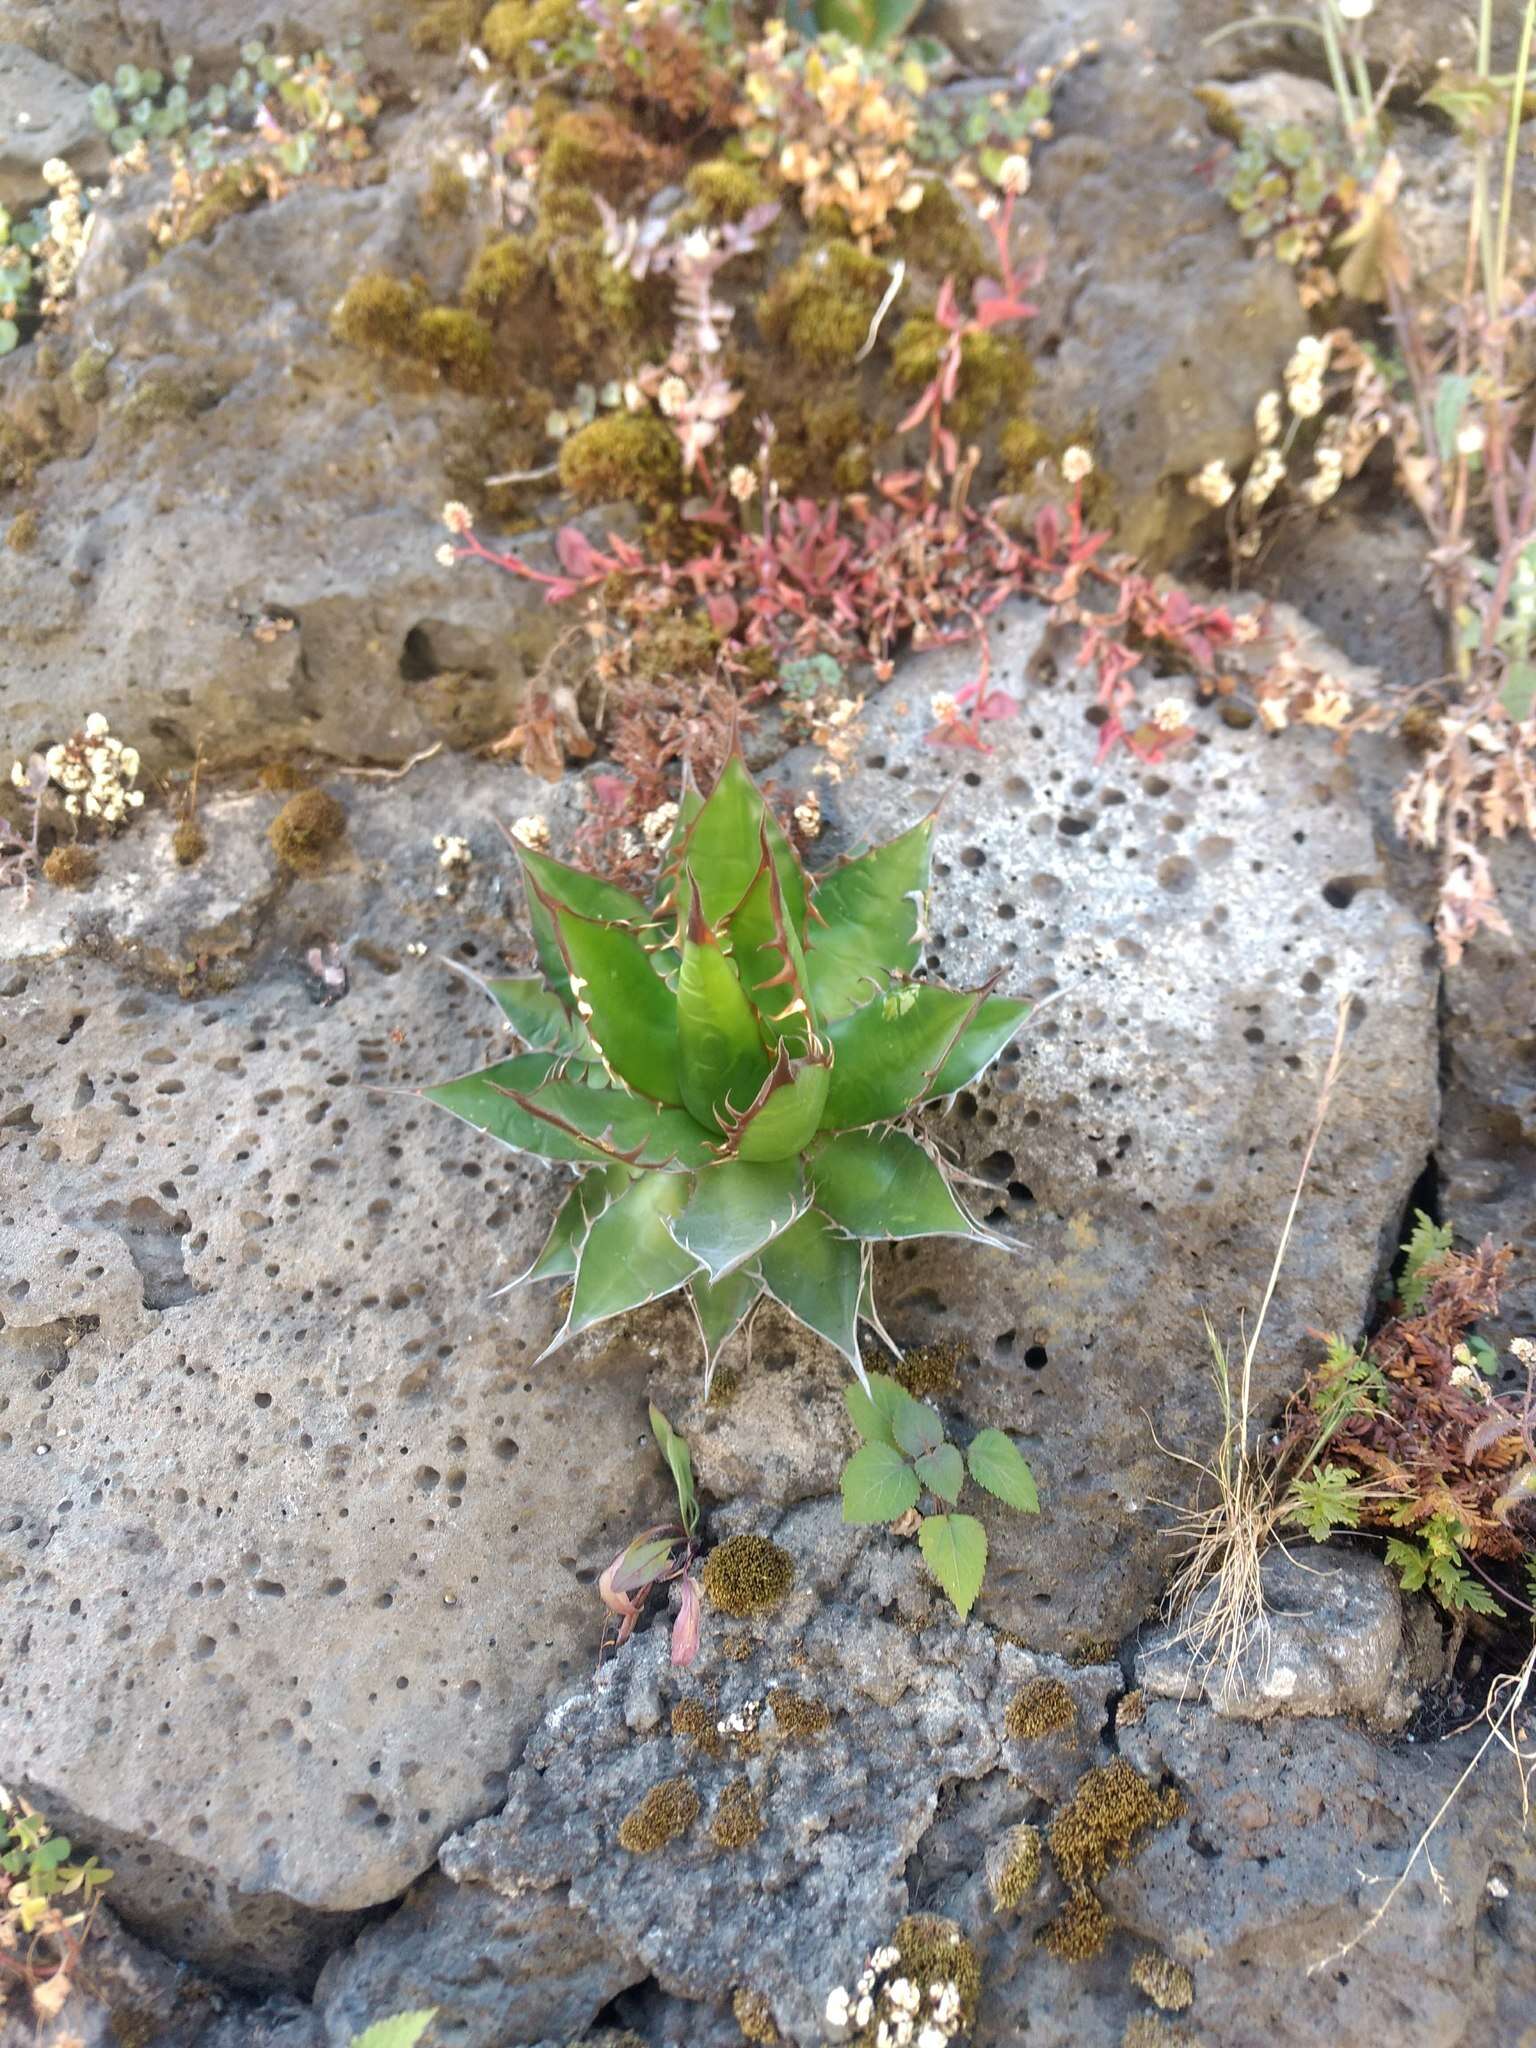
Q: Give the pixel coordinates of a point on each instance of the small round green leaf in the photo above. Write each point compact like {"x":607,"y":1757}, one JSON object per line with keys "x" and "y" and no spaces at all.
{"x":942,"y":1472}
{"x":997,"y":1466}
{"x":916,"y":1425}
{"x":954,"y":1549}
{"x":871,"y":1412}
{"x":878,"y":1485}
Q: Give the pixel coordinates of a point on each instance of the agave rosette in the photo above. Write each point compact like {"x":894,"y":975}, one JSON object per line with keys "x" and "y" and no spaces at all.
{"x":734,"y":1069}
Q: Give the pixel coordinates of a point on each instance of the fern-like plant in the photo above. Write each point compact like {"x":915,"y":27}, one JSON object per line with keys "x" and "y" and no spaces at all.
{"x":734,"y":1070}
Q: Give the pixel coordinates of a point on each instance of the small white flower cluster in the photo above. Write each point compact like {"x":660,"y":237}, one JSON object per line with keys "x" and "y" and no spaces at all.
{"x":1292,"y":690}
{"x":894,"y":2007}
{"x":452,"y":851}
{"x":1212,"y":482}
{"x":1464,"y":1374}
{"x":1171,"y":716}
{"x":532,"y":831}
{"x":1523,"y":1350}
{"x":68,"y":230}
{"x":656,"y":826}
{"x":742,"y":483}
{"x":458,"y":519}
{"x":1076,"y":463}
{"x":807,"y":815}
{"x":1304,"y":375}
{"x":95,"y":771}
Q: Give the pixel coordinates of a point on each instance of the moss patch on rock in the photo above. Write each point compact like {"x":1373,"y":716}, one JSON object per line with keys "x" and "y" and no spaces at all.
{"x":1167,"y":1983}
{"x":1042,"y":1707}
{"x":934,"y":1951}
{"x":747,"y":1574}
{"x":1014,"y":1871}
{"x":189,"y":842}
{"x":522,"y":33}
{"x":503,"y":269}
{"x":627,"y":458}
{"x":307,"y":830}
{"x":667,"y":1811}
{"x":821,"y":307}
{"x":70,"y":867}
{"x":1080,"y":1931}
{"x":754,"y":2015}
{"x":693,"y":1722}
{"x":1112,"y":1807}
{"x":738,"y":1821}
{"x":798,"y":1719}
{"x":23,"y":530}
{"x":994,"y":371}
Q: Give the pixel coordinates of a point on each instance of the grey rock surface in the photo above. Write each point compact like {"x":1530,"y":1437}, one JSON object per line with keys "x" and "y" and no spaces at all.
{"x":1335,"y":1643}
{"x":43,"y":114}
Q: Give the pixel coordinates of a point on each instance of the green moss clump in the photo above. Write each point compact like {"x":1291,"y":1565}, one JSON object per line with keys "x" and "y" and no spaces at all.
{"x":234,"y":188}
{"x":88,"y":375}
{"x":930,"y":1369}
{"x":1080,"y":1931}
{"x":738,"y":1821}
{"x":821,"y":307}
{"x":754,"y":2016}
{"x":596,"y":151}
{"x":1018,"y":1869}
{"x":70,"y":867}
{"x":667,"y":1811}
{"x":747,"y":1575}
{"x":501,"y":272}
{"x":282,"y":777}
{"x":1222,"y":117}
{"x":446,"y":25}
{"x":514,"y":30}
{"x":447,"y":193}
{"x":306,"y":831}
{"x":1167,"y":1983}
{"x":189,"y":842}
{"x":934,"y":1951}
{"x":1132,"y":1709}
{"x":798,"y":1719}
{"x":724,"y":190}
{"x":629,"y":458}
{"x":379,"y":313}
{"x":23,"y":530}
{"x":994,"y":372}
{"x":736,"y":1649}
{"x":938,"y":237}
{"x":166,"y":395}
{"x":673,"y":646}
{"x":1043,"y":1707}
{"x":1110,"y":1808}
{"x":1146,"y":2030}
{"x":597,"y":300}
{"x":693,"y":1722}
{"x":1023,"y":445}
{"x":457,"y":344}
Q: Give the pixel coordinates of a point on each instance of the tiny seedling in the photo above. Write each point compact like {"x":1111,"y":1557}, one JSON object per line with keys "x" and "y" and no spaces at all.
{"x":904,"y":1455}
{"x":659,"y":1556}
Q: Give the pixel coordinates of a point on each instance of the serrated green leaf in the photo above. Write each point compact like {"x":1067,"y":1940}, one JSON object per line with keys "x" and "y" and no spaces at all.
{"x":1518,"y":693}
{"x":723,"y":846}
{"x":539,"y":1017}
{"x":871,"y":912}
{"x":630,"y":1256}
{"x":562,"y":1110}
{"x":629,"y":1011}
{"x":720,"y":1309}
{"x":882,"y":1184}
{"x":402,"y":2030}
{"x":942,"y":1472}
{"x":548,"y":881}
{"x":954,"y":1549}
{"x":1426,"y":1246}
{"x":722,"y":1063}
{"x":737,"y":1208}
{"x":979,"y":1043}
{"x":915,"y":1425}
{"x":878,"y":1485}
{"x":578,"y":1212}
{"x":996,"y":1464}
{"x":787,"y":1112}
{"x":814,"y":1271}
{"x":770,"y":960}
{"x":680,"y":1463}
{"x":887,"y":1055}
{"x":871,"y":1408}
{"x":690,"y":801}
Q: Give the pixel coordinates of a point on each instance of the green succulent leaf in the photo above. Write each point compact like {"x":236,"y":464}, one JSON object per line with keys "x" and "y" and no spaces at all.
{"x":563,"y":1110}
{"x":979,"y":1043}
{"x":690,"y":801}
{"x":722,"y":1064}
{"x":580,"y":1209}
{"x":629,"y":1010}
{"x":954,"y":1549}
{"x":737,"y":1208}
{"x":548,"y":882}
{"x":878,"y":1485}
{"x":871,"y":914}
{"x":872,"y":1409}
{"x":882,"y":1184}
{"x":723,"y":845}
{"x":720,"y":1308}
{"x":630,"y":1256}
{"x":539,"y":1017}
{"x":942,"y":1472}
{"x":680,"y":1462}
{"x":787,"y":1112}
{"x":916,"y":1426}
{"x":770,"y":960}
{"x":888,"y":1054}
{"x":995,"y":1464}
{"x":815,"y":1272}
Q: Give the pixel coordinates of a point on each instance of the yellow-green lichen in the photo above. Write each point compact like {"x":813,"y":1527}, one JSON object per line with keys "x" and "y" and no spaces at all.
{"x":23,"y":530}
{"x":1014,"y":1870}
{"x":994,"y":371}
{"x":1042,"y":1707}
{"x":754,"y":2016}
{"x":625,"y":458}
{"x":522,"y":33}
{"x":667,"y":1811}
{"x":693,"y":1722}
{"x":798,"y":1719}
{"x":737,"y":1822}
{"x":1111,"y":1807}
{"x":1167,"y":1983}
{"x":70,"y":867}
{"x":724,"y":190}
{"x":747,"y":1575}
{"x":502,"y":271}
{"x":820,"y":309}
{"x":307,"y":830}
{"x":1080,"y":1931}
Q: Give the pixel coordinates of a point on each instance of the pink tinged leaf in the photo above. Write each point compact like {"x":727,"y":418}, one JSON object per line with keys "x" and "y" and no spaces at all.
{"x":685,"y":1629}
{"x":919,"y":412}
{"x":615,"y":1601}
{"x":724,"y":612}
{"x":576,"y":552}
{"x":612,"y":791}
